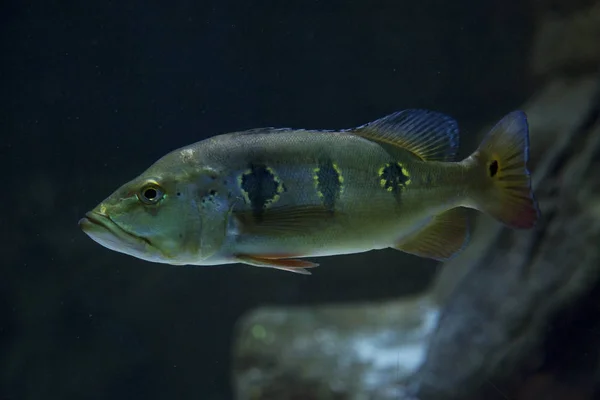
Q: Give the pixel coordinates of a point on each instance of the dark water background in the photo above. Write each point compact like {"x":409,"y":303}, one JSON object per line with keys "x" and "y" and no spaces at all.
{"x":93,"y":92}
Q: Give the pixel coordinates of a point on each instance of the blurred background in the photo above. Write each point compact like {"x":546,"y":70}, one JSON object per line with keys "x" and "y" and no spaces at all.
{"x":94,"y":92}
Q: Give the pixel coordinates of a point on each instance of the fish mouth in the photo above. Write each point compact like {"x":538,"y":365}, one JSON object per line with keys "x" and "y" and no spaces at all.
{"x":103,"y":230}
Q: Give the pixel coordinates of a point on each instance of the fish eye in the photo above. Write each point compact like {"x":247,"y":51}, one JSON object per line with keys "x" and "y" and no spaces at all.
{"x":151,"y":193}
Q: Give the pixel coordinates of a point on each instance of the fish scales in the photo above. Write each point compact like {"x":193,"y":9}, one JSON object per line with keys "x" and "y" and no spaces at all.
{"x":363,"y":208}
{"x":359,"y":206}
{"x":271,"y":197}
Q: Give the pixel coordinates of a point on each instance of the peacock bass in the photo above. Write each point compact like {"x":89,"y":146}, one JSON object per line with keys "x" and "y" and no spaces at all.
{"x":270,"y":197}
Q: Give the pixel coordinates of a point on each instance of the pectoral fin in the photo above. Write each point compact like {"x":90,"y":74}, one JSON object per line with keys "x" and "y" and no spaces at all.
{"x":284,"y":264}
{"x":446,"y":235}
{"x":284,"y":220}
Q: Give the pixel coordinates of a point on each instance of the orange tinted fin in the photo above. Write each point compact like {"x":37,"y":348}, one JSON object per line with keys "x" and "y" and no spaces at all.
{"x":284,"y":220}
{"x":430,"y":135}
{"x":285,"y":264}
{"x":503,"y":183}
{"x":446,"y":235}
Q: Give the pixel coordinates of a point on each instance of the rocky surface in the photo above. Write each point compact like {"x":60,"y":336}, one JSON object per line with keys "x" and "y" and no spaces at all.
{"x":359,"y":349}
{"x":567,"y":37}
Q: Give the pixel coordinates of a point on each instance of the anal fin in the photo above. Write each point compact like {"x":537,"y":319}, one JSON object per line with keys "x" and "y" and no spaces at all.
{"x":284,"y":264}
{"x":442,"y":238}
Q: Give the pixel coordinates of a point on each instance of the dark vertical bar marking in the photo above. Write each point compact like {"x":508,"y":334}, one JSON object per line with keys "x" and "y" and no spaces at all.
{"x":394,"y":178}
{"x":328,"y":183}
{"x":261,"y":188}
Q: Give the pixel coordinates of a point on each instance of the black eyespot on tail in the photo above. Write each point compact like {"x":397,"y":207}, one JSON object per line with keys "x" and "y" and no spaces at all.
{"x":504,"y":153}
{"x":493,"y":168}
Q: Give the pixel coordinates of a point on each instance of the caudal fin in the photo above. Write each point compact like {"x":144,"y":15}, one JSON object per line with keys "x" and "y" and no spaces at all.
{"x":502,"y":181}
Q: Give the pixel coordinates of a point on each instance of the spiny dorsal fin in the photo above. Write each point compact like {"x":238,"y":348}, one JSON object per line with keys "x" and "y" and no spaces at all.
{"x":446,"y":235}
{"x":273,"y":131}
{"x":430,"y":135}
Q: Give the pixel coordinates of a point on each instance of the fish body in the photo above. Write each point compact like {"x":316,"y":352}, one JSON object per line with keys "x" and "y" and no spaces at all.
{"x":271,"y":197}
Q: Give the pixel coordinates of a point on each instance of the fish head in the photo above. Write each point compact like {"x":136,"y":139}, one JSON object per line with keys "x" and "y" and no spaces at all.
{"x":155,"y":217}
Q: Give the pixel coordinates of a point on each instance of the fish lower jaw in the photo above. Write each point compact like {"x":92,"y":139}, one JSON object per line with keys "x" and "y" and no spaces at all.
{"x":102,"y":230}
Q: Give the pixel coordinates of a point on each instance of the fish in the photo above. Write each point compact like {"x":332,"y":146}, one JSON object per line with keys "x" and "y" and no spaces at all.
{"x":277,"y":197}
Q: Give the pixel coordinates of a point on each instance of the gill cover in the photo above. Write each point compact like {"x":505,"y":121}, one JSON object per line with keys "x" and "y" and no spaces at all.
{"x":215,"y":211}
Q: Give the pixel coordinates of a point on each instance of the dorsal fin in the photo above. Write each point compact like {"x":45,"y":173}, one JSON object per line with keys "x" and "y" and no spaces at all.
{"x":430,"y":135}
{"x":272,"y":130}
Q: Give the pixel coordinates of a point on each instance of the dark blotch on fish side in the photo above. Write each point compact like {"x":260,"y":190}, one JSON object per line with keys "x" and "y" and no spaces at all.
{"x":329,"y":184}
{"x":493,"y":168}
{"x":394,"y":178}
{"x":261,"y":186}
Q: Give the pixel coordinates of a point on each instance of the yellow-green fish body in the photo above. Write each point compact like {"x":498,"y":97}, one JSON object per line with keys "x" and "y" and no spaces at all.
{"x":267,"y":197}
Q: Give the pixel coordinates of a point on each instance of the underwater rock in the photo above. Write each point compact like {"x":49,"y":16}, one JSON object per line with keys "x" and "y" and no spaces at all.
{"x":331,"y":352}
{"x":566,"y":41}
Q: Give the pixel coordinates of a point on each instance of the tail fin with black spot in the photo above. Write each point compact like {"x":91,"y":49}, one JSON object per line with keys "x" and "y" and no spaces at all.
{"x":502,"y":182}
